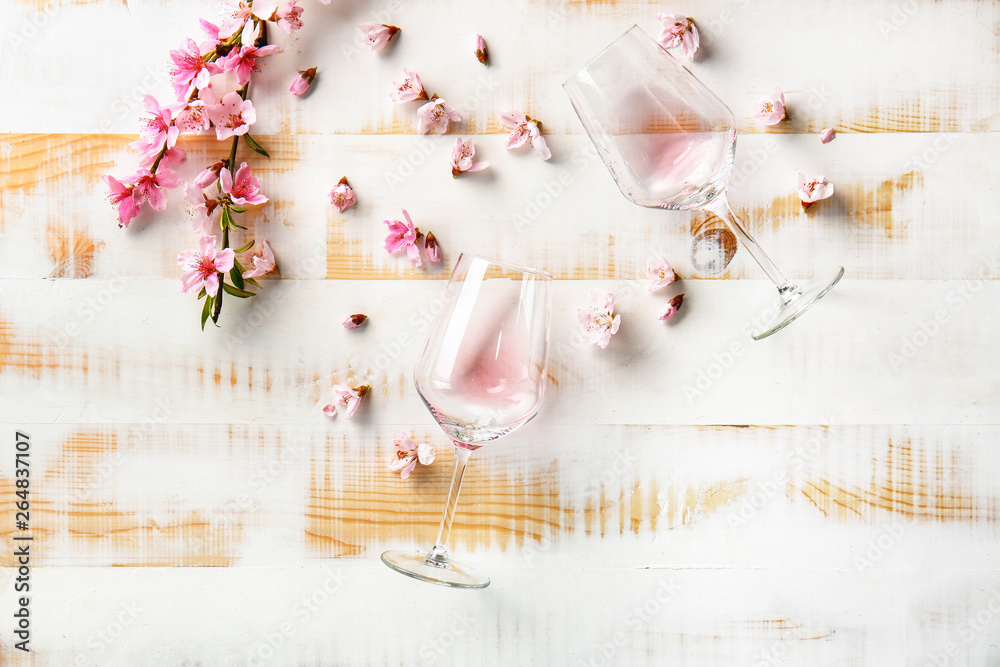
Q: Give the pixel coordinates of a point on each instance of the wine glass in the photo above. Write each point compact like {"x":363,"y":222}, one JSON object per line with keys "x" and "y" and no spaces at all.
{"x":669,"y":142}
{"x":482,"y":375}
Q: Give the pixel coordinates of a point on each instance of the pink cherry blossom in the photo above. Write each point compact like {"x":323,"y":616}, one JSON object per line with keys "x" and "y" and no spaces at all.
{"x":208,"y":175}
{"x":122,"y":196}
{"x":232,"y":115}
{"x":147,"y":158}
{"x":261,"y":263}
{"x":408,"y":453}
{"x":190,"y":69}
{"x":204,"y":265}
{"x":432,"y":248}
{"x":482,"y":53}
{"x":524,"y":129}
{"x":243,"y":61}
{"x":811,"y":189}
{"x":302,"y":81}
{"x":235,"y":13}
{"x":827,"y":135}
{"x":157,"y":130}
{"x":403,"y":236}
{"x":330,"y":410}
{"x":770,"y":110}
{"x":201,"y":208}
{"x":377,"y":35}
{"x":659,"y":272}
{"x":350,"y":397}
{"x":342,"y":196}
{"x":599,"y":318}
{"x":679,"y":31}
{"x":409,"y":89}
{"x":193,"y":117}
{"x":354,"y":321}
{"x":211,"y":31}
{"x":149,"y":186}
{"x":463,"y":156}
{"x":436,"y":115}
{"x":672,"y":307}
{"x":289,"y":16}
{"x":243,"y":188}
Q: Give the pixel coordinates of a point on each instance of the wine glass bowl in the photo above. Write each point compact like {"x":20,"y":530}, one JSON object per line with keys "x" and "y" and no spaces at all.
{"x":669,"y":142}
{"x":482,"y":375}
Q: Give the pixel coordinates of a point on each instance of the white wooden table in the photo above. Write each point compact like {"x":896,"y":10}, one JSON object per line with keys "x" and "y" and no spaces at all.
{"x":828,"y":496}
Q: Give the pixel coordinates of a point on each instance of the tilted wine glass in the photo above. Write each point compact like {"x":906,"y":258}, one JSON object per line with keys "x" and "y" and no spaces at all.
{"x":481,"y":374}
{"x":669,"y":142}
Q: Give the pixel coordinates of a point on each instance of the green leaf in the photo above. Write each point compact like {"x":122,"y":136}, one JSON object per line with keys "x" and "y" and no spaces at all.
{"x":253,"y":282}
{"x":226,"y":220}
{"x":235,"y":274}
{"x":239,"y":293}
{"x":201,"y":294}
{"x":206,"y":311}
{"x":245,"y":247}
{"x":254,"y":146}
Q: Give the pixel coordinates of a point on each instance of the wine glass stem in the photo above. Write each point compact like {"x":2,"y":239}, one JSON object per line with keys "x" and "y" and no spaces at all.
{"x":439,"y":554}
{"x":720,"y":207}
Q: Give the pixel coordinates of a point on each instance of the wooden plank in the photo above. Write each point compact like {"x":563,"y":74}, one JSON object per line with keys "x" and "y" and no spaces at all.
{"x":745,"y":54}
{"x":336,"y":614}
{"x":844,"y":497}
{"x":90,"y":350}
{"x":906,"y":207}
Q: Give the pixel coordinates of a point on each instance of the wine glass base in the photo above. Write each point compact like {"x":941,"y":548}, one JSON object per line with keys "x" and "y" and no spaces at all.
{"x":449,"y":573}
{"x":804,"y":296}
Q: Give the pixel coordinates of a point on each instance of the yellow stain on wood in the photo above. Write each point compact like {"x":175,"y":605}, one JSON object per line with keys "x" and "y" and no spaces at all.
{"x":903,"y":485}
{"x":72,"y":253}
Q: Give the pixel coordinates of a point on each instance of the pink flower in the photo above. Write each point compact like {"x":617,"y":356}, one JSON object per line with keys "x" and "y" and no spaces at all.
{"x":301,"y":82}
{"x":463,"y":156}
{"x":437,"y":115}
{"x":342,"y":196}
{"x":403,"y":236}
{"x":354,"y":321}
{"x":193,"y":117}
{"x":659,"y":272}
{"x":524,"y":129}
{"x":289,"y":16}
{"x":244,"y":61}
{"x":204,"y":265}
{"x":482,"y":53}
{"x":812,"y":189}
{"x":432,"y":248}
{"x":827,"y":135}
{"x":377,"y":35}
{"x":599,"y":318}
{"x":235,"y":13}
{"x":244,"y":188}
{"x":672,"y":307}
{"x":158,"y":130}
{"x":208,"y":175}
{"x":408,"y":89}
{"x":679,"y":31}
{"x":122,"y":195}
{"x":408,"y":453}
{"x":345,"y":395}
{"x":232,"y":115}
{"x":201,"y":208}
{"x":261,"y":262}
{"x":330,"y":410}
{"x":211,"y":31}
{"x":189,"y":69}
{"x":770,"y":110}
{"x":148,"y":186}
{"x":169,"y":158}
